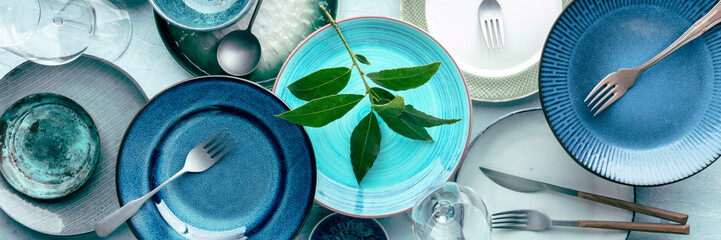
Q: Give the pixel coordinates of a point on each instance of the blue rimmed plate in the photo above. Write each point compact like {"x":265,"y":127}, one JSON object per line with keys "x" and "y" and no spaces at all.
{"x":664,"y":129}
{"x":262,"y":189}
{"x":404,"y":167}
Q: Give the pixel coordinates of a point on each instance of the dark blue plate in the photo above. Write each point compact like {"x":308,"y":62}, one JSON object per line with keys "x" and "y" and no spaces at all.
{"x":668,"y":125}
{"x":262,"y":189}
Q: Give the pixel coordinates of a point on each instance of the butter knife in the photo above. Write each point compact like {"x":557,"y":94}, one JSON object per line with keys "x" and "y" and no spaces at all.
{"x":520,"y":184}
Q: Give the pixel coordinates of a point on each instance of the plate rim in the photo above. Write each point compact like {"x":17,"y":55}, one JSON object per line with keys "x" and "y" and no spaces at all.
{"x":530,"y":70}
{"x":576,"y":160}
{"x":234,"y":19}
{"x":465,"y":84}
{"x":533,"y":109}
{"x":103,"y":61}
{"x":314,"y":178}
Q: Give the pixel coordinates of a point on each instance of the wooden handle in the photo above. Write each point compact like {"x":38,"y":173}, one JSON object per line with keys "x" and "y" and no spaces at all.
{"x":646,"y":227}
{"x":668,"y":215}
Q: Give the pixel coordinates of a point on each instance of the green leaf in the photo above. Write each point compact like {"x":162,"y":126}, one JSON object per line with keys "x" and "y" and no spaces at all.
{"x":321,"y":83}
{"x":379,"y":94}
{"x":319,"y":112}
{"x":404,"y":78}
{"x":406,"y":128}
{"x":365,"y":143}
{"x":392,"y":108}
{"x":362,"y":59}
{"x":422,"y":119}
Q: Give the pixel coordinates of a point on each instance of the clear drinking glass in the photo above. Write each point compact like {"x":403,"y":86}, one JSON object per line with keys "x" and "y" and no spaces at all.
{"x":54,"y":32}
{"x":450,"y":211}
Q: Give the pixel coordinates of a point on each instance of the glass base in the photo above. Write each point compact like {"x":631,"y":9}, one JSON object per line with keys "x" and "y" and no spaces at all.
{"x":113,"y":30}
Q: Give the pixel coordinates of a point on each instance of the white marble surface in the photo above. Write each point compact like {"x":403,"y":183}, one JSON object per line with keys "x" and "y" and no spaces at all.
{"x":154,"y":69}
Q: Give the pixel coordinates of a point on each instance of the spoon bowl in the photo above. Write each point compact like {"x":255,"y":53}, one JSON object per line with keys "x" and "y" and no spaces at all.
{"x":239,"y":52}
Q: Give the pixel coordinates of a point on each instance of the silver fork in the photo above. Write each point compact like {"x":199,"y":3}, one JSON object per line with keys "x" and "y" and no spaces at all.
{"x":616,"y":84}
{"x":533,"y":220}
{"x":491,"y":18}
{"x":199,"y":159}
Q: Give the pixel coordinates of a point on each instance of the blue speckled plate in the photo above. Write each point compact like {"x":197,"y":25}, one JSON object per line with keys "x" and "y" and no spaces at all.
{"x":404,"y":167}
{"x":262,"y":189}
{"x":202,"y":15}
{"x":668,"y":125}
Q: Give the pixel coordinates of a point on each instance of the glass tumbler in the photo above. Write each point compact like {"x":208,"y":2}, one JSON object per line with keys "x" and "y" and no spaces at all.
{"x":54,"y":32}
{"x":450,"y":211}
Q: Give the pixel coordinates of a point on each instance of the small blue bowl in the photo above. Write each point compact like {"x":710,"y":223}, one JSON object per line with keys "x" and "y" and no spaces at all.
{"x":339,"y":226}
{"x":202,"y":15}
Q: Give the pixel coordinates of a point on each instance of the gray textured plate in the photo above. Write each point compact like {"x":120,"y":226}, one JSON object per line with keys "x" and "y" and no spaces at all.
{"x":112,"y":98}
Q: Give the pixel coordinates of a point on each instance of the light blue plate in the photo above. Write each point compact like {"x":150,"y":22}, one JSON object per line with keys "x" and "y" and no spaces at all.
{"x":668,"y":125}
{"x":262,"y":189}
{"x":405,"y":167}
{"x":202,"y":15}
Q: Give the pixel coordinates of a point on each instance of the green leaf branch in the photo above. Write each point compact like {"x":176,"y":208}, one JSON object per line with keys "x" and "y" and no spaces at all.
{"x":321,"y":89}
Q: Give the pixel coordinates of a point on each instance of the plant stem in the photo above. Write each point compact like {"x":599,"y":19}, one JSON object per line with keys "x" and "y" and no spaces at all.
{"x":352,"y":55}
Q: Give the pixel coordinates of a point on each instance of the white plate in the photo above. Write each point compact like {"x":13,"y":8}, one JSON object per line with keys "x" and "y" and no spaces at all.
{"x":492,"y":75}
{"x":526,"y":24}
{"x":522,"y":144}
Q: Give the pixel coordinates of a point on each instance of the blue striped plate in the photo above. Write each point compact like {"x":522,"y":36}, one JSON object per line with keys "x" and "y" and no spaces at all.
{"x":664,"y":129}
{"x":404,"y":167}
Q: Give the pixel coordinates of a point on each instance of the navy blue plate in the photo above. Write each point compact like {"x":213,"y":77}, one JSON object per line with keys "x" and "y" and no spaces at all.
{"x":262,"y":189}
{"x":668,"y":125}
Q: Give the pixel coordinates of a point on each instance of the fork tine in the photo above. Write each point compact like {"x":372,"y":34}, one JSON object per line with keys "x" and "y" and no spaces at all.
{"x":205,"y":143}
{"x":500,"y":31}
{"x":484,"y":30}
{"x":596,"y":88}
{"x":215,"y":143}
{"x":608,"y":103}
{"x":215,"y":150}
{"x":494,"y":35}
{"x":603,"y":99}
{"x":509,"y":216}
{"x":510,"y":212}
{"x":222,"y":154}
{"x":511,"y":222}
{"x":598,"y":94}
{"x":509,"y":227}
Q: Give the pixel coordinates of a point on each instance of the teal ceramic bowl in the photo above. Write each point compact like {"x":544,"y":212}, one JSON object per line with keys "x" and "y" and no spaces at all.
{"x":49,"y":146}
{"x":202,"y":15}
{"x":404,"y":167}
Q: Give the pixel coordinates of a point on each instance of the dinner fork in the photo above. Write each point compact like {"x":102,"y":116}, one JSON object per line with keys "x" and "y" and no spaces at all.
{"x":533,"y":220}
{"x":491,"y":18}
{"x":616,"y":84}
{"x":199,"y":159}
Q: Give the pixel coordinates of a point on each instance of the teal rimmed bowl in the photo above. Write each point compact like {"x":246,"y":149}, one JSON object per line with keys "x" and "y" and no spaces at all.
{"x":404,"y":167}
{"x":202,"y":15}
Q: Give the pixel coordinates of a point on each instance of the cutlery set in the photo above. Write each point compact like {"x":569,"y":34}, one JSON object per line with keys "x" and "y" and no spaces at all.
{"x":536,"y":221}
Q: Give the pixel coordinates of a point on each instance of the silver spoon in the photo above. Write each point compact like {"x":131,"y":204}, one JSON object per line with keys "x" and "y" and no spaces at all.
{"x":239,"y":51}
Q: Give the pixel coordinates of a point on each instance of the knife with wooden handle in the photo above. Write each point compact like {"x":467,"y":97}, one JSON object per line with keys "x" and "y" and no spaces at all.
{"x":520,"y":184}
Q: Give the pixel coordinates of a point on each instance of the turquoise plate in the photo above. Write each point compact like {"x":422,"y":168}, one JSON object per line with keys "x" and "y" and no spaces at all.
{"x":668,"y":125}
{"x":262,"y":189}
{"x":405,"y":167}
